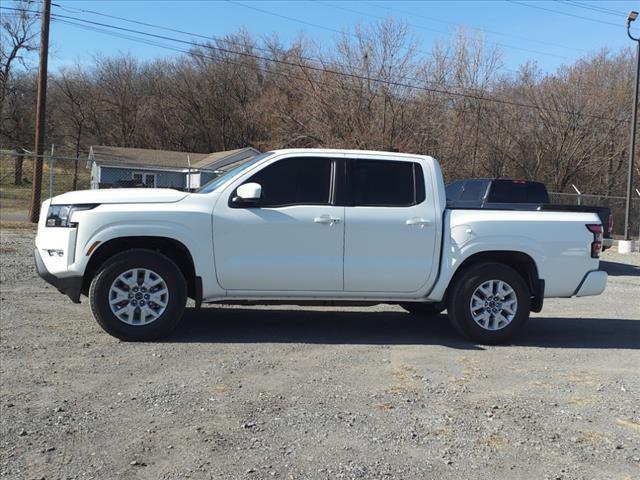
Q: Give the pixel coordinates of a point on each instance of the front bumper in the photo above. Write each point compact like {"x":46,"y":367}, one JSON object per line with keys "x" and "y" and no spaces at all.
{"x":593,"y":283}
{"x":71,"y":286}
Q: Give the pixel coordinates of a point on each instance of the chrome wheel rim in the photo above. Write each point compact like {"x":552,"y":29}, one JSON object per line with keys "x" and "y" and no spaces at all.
{"x":138,"y":296}
{"x":493,"y":305}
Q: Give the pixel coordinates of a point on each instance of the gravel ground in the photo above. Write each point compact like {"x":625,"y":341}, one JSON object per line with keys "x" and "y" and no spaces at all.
{"x":317,"y":393}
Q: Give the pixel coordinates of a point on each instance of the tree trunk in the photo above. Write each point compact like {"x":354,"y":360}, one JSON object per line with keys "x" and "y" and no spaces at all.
{"x":75,"y":174}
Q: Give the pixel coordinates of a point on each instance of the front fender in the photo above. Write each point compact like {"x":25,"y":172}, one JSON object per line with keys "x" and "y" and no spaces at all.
{"x":190,"y":225}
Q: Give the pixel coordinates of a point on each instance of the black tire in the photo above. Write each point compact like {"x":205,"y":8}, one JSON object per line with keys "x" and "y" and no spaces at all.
{"x":459,"y":302}
{"x":143,"y":259}
{"x":423,"y":309}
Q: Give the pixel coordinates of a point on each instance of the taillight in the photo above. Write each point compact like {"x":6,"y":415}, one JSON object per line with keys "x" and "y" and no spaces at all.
{"x":596,"y":245}
{"x":610,"y":229}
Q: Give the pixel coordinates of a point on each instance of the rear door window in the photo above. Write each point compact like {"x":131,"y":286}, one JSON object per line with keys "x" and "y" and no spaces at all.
{"x":385,"y":183}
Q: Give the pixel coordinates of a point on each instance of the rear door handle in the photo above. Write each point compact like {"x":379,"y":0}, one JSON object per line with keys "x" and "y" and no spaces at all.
{"x":326,"y":219}
{"x":418,"y":221}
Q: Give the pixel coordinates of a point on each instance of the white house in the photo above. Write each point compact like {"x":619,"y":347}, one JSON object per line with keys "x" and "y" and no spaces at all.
{"x":138,"y":167}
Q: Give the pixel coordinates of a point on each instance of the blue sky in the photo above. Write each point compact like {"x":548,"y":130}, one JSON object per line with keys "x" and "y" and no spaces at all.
{"x":523,"y":32}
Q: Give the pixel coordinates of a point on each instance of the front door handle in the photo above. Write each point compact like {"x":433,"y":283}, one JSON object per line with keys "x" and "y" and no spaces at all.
{"x":418,"y":221}
{"x":326,"y":219}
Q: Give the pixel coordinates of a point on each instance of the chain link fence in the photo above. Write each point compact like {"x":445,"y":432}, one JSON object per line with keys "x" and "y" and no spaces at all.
{"x":16,"y":177}
{"x":615,"y":203}
{"x":64,"y":174}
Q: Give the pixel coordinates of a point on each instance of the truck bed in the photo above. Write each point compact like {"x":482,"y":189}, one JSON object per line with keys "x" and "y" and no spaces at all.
{"x":603,"y":213}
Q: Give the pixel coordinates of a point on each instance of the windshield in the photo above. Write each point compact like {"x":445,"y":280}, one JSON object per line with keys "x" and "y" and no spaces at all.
{"x":233,"y":170}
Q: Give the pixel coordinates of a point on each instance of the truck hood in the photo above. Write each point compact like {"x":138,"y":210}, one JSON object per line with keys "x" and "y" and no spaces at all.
{"x":120,"y":195}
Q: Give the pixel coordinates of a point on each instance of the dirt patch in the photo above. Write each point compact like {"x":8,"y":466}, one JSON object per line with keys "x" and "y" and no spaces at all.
{"x":316,"y":393}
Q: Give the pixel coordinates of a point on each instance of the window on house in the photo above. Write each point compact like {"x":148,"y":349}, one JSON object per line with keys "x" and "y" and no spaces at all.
{"x":147,"y":179}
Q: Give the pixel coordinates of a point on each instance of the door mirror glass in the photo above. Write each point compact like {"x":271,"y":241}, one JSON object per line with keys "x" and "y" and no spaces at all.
{"x":248,"y":193}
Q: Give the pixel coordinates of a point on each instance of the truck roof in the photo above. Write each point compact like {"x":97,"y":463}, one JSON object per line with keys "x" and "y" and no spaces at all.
{"x":346,"y":151}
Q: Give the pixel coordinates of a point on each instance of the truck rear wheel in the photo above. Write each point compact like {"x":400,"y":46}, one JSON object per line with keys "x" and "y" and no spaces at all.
{"x":489,"y":303}
{"x":138,"y":295}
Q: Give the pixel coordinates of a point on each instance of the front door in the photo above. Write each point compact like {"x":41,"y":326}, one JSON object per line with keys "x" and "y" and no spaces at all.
{"x":292,"y":239}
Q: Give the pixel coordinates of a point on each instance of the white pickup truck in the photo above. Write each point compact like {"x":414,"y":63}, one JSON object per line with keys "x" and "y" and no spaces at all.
{"x":313,"y":227}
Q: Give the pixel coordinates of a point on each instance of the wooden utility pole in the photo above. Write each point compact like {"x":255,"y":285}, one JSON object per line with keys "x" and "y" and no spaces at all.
{"x":40,"y":113}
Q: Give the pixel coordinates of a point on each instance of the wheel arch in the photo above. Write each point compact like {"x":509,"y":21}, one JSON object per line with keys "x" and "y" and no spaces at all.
{"x":521,"y":262}
{"x":170,"y":247}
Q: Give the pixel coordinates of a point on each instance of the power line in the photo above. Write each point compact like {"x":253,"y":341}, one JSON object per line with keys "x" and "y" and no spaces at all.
{"x":441,"y":91}
{"x":246,"y":54}
{"x":61,"y":19}
{"x":324,"y":27}
{"x":220,"y":39}
{"x":346,"y":9}
{"x":121,"y":35}
{"x":594,"y":8}
{"x":348,"y":75}
{"x":303,"y":22}
{"x":267,"y":59}
{"x":169,"y":29}
{"x":603,"y":22}
{"x":479,"y":29}
{"x":421,"y":27}
{"x":192,"y":53}
{"x":58,"y":17}
{"x":161,"y":27}
{"x":226,"y":60}
{"x":280,"y":16}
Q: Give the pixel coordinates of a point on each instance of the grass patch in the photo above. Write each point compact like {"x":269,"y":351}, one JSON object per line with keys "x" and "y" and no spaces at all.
{"x":18,"y":226}
{"x":16,"y":198}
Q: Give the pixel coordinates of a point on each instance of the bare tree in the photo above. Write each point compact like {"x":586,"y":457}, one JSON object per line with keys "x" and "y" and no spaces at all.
{"x":120,"y":82}
{"x":17,"y":35}
{"x":16,"y":38}
{"x":370,"y":88}
{"x":73,"y":96}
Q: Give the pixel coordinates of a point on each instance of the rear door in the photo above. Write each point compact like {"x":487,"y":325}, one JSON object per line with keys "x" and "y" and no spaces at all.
{"x":390,"y":226}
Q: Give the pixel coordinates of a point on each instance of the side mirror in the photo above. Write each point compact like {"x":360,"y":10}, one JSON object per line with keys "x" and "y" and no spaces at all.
{"x":247,"y":194}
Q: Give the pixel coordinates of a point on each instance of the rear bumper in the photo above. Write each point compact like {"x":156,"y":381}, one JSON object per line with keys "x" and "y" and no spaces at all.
{"x":71,"y":286}
{"x":593,"y":283}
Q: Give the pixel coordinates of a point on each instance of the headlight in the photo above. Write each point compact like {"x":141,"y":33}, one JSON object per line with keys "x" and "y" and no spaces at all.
{"x":60,"y":215}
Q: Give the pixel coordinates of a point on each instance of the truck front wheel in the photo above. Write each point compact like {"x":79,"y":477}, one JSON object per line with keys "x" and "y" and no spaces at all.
{"x":489,"y":303}
{"x":138,"y":295}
